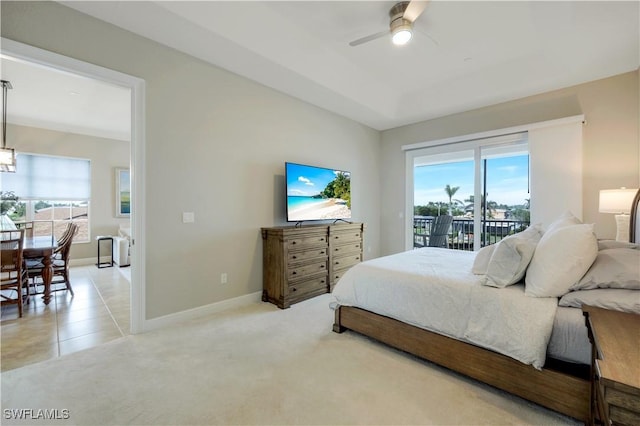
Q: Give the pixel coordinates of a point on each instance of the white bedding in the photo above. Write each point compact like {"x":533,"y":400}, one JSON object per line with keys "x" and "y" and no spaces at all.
{"x":434,"y":289}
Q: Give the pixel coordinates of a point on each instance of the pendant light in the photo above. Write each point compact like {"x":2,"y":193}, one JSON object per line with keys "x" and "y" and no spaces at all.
{"x":7,"y":155}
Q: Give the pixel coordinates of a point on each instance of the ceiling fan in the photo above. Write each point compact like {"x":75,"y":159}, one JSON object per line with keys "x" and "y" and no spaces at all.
{"x":403,"y":15}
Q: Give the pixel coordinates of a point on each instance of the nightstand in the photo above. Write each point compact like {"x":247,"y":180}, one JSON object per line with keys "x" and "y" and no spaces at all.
{"x":615,"y":366}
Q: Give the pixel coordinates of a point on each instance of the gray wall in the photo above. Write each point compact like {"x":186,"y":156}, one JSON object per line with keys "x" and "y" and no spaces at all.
{"x":105,"y":156}
{"x":216,"y":144}
{"x":611,"y":144}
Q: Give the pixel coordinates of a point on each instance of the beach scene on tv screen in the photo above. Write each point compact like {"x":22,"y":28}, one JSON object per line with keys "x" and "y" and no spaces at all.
{"x":315,"y":193}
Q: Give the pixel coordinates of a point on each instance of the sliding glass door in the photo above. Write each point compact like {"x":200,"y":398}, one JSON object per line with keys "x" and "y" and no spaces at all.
{"x":483,"y":184}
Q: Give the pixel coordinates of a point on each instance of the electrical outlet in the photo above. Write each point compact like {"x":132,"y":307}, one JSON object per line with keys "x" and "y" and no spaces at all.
{"x":223,"y":278}
{"x":188,"y":217}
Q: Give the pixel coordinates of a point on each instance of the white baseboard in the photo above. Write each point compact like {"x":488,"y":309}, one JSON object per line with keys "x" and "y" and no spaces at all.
{"x":90,"y":261}
{"x":189,"y":314}
{"x":85,"y":261}
{"x":201,"y":311}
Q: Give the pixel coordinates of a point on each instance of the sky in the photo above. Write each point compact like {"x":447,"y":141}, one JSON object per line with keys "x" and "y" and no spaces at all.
{"x":308,"y":180}
{"x":507,"y":181}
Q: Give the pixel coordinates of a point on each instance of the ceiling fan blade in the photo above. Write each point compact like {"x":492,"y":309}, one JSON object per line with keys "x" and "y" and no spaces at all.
{"x":369,"y":38}
{"x":415,"y":8}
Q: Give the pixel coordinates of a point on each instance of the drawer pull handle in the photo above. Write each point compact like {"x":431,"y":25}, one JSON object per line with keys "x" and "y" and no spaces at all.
{"x":293,"y":243}
{"x":294,"y":289}
{"x":293,"y":273}
{"x":294,"y":257}
{"x":321,"y":266}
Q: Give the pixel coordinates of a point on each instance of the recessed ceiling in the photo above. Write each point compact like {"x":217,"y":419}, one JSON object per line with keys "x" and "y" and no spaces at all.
{"x":464,"y":55}
{"x":50,"y":99}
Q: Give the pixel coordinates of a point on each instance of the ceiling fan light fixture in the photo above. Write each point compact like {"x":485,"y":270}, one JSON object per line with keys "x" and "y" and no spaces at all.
{"x":401,"y":31}
{"x":401,"y":36}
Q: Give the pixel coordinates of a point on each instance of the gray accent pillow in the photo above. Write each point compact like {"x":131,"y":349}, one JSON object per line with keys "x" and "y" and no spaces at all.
{"x":613,"y":268}
{"x":608,"y":298}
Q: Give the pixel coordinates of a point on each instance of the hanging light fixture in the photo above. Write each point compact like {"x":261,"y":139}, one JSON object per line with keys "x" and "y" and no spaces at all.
{"x":7,"y":155}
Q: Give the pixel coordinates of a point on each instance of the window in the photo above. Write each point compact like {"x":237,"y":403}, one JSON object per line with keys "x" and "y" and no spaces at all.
{"x":554,"y":167}
{"x":52,"y":191}
{"x":483,"y":184}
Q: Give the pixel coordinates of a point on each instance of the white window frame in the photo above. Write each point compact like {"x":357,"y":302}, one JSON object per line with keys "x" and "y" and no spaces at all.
{"x":448,"y":152}
{"x":559,"y":140}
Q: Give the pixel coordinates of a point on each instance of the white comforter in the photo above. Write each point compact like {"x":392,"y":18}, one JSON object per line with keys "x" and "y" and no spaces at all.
{"x":434,"y":289}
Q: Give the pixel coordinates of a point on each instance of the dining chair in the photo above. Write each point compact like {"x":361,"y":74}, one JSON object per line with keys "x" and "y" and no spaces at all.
{"x":59,"y":262}
{"x":439,"y":233}
{"x":14,"y":279}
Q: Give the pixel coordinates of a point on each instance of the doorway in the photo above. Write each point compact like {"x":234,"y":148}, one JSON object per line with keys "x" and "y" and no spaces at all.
{"x":15,"y":51}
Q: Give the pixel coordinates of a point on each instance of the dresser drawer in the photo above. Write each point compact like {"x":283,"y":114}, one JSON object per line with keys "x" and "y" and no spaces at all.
{"x":346,"y":236}
{"x":622,"y":399}
{"x":298,"y":256}
{"x":346,"y":261}
{"x":308,"y":269}
{"x":307,"y":241}
{"x":350,"y":248}
{"x":304,"y":289}
{"x":622,"y":416}
{"x":338,"y":274}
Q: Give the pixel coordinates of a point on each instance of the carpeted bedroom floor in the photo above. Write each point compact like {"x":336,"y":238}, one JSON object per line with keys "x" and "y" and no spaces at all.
{"x":255,"y":365}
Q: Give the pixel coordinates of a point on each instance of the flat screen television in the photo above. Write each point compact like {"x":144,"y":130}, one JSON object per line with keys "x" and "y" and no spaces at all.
{"x":317,"y":193}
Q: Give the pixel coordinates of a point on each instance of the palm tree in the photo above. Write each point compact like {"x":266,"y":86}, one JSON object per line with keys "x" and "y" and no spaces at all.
{"x":450,"y":193}
{"x":491,"y":206}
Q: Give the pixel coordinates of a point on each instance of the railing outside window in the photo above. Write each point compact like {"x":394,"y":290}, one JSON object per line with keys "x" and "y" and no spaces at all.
{"x":461,"y":232}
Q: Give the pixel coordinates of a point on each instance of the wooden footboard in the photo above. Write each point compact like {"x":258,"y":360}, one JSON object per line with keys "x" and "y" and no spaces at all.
{"x":555,"y":390}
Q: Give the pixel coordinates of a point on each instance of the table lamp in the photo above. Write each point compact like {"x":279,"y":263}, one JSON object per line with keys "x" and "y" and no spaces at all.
{"x":618,"y":201}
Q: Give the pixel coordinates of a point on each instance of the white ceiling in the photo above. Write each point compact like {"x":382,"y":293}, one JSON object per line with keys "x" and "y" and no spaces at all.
{"x":50,"y":99}
{"x":464,"y":55}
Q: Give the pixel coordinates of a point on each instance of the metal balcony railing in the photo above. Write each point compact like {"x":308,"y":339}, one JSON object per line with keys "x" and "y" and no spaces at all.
{"x":461,"y":232}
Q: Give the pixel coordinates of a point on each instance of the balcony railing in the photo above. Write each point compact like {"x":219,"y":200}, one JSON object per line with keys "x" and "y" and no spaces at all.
{"x":461,"y":231}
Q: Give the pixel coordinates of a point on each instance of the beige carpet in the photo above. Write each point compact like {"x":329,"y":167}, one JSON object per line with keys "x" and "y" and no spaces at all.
{"x":255,"y":365}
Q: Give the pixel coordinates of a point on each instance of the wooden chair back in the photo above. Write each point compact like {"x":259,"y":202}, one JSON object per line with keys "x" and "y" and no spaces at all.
{"x":11,"y":247}
{"x":13,"y":275}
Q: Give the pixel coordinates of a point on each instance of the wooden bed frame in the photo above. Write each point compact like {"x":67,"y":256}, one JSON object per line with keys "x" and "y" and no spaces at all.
{"x":554,"y":387}
{"x":560,"y":391}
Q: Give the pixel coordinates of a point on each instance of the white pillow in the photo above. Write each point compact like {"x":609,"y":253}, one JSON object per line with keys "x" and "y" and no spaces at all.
{"x":561,"y":258}
{"x":511,"y":257}
{"x":608,"y":298}
{"x":613,"y":268}
{"x":565,"y":219}
{"x":481,"y":262}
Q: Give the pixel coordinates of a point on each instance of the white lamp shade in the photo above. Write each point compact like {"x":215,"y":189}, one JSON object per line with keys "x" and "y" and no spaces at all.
{"x":616,"y":200}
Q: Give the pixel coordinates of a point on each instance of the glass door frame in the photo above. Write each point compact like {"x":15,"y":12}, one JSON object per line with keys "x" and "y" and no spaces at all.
{"x":453,"y":146}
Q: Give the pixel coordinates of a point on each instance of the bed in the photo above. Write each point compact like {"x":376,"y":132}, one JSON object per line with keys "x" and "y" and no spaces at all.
{"x":525,"y":335}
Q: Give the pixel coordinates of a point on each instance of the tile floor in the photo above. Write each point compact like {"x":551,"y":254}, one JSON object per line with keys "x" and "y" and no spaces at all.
{"x":98,"y":313}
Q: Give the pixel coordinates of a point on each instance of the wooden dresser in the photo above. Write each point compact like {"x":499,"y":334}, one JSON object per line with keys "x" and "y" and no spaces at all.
{"x":303,"y":262}
{"x":615,"y":366}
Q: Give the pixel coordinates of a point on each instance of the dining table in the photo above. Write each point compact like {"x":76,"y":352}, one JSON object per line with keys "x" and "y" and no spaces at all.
{"x":42,"y":248}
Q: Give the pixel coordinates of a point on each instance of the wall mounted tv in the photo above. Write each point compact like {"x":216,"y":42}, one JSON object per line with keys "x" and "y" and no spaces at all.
{"x":317,"y":193}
